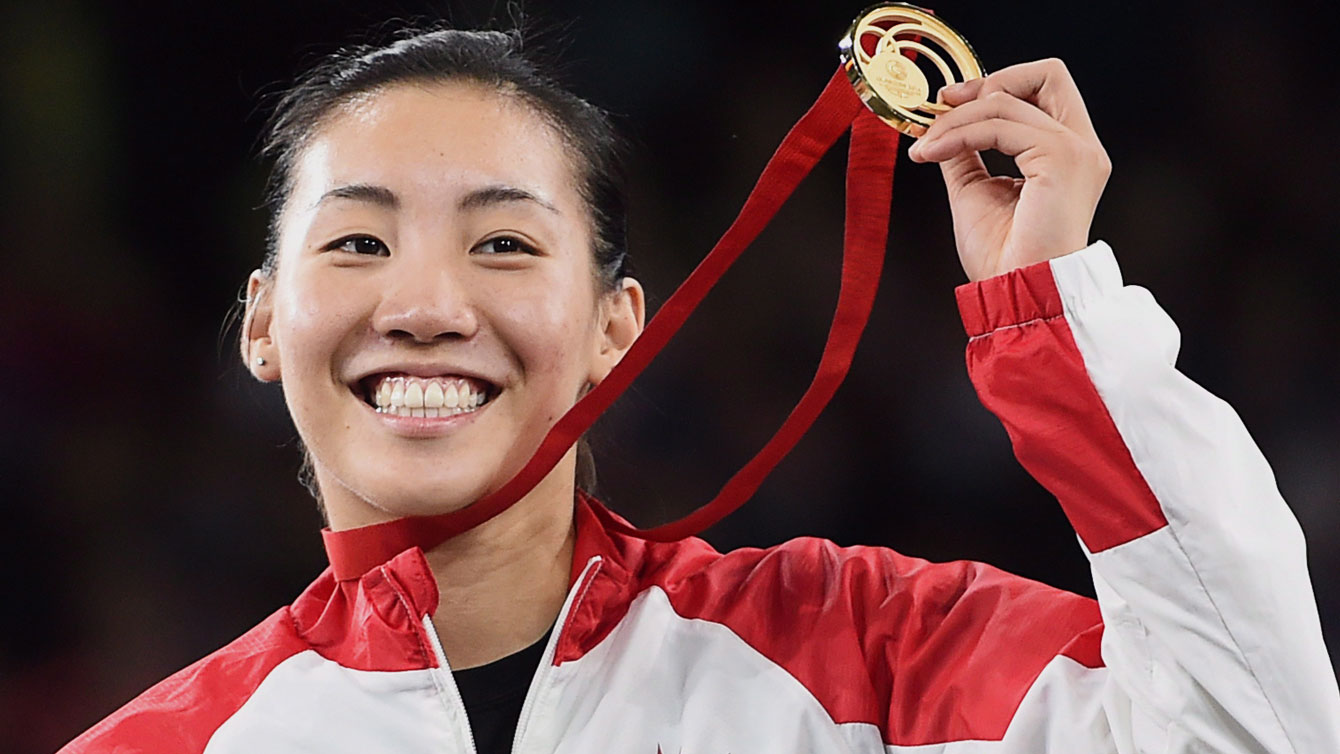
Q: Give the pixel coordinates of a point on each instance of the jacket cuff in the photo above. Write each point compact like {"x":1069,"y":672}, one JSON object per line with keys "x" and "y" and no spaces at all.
{"x":1029,"y":294}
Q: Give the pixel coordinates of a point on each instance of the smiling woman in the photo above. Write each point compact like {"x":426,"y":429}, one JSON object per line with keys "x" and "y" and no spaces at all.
{"x":544,"y":134}
{"x":433,"y":239}
{"x":446,"y":277}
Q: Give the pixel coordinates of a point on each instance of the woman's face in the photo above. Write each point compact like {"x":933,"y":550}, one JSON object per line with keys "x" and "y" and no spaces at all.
{"x":434,"y":309}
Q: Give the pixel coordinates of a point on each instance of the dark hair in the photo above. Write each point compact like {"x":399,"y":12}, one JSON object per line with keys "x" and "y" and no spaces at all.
{"x":493,"y":59}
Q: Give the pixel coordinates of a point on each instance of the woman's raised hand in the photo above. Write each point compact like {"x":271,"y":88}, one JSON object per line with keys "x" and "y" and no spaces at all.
{"x":1034,"y":113}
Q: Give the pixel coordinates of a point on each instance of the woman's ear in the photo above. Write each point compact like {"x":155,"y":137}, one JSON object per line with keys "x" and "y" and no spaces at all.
{"x":622,"y":316}
{"x":258,"y":350}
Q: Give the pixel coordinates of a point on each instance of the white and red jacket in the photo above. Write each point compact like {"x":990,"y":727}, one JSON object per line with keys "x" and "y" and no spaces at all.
{"x":1205,"y":636}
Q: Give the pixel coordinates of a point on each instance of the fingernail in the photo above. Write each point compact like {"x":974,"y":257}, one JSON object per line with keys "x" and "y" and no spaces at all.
{"x":950,"y":90}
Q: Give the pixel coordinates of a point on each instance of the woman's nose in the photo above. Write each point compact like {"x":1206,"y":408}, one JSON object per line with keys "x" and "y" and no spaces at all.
{"x":425,"y":306}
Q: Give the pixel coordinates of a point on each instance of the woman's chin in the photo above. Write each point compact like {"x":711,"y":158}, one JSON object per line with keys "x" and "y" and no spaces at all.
{"x":435,"y":507}
{"x":392,"y":499}
{"x":418,"y":502}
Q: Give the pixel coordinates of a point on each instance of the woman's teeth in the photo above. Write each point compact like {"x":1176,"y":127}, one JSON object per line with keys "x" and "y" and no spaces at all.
{"x":427,"y":397}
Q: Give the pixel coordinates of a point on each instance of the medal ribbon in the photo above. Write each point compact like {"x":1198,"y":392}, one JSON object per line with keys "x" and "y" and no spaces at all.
{"x":871,"y":156}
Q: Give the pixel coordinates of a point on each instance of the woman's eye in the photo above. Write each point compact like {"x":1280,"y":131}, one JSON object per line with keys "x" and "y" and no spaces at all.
{"x":361,"y":245}
{"x":505,"y":245}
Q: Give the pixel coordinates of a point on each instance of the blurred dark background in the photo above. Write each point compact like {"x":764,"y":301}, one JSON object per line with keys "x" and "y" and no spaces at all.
{"x":149,"y":485}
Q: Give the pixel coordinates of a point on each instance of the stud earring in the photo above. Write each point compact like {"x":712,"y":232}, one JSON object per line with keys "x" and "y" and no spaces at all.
{"x":260,"y":361}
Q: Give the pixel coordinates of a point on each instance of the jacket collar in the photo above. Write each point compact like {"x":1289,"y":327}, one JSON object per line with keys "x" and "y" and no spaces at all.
{"x":373,"y":622}
{"x":372,"y":616}
{"x":355,"y":553}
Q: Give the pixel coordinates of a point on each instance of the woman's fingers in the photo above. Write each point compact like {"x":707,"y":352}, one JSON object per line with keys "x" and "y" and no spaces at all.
{"x":996,"y":105}
{"x":1006,"y":136}
{"x":965,"y":91}
{"x":1006,"y":123}
{"x":1044,"y":83}
{"x":963,"y":169}
{"x":961,"y":164}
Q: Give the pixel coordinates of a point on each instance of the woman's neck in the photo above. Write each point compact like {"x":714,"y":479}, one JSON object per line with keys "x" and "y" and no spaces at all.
{"x":503,"y":583}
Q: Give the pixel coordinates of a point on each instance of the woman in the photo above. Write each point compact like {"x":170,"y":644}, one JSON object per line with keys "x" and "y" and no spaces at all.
{"x":447,"y":276}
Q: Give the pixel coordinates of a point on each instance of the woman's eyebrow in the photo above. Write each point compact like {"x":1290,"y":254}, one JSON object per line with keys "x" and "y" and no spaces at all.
{"x":362,"y":192}
{"x":477,"y":199}
{"x":501,"y":194}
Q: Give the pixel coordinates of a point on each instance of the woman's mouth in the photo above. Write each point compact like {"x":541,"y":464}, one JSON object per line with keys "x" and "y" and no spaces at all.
{"x":425,"y":397}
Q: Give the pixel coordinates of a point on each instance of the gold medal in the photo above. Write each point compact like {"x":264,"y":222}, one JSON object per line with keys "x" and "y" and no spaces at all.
{"x":874,"y":55}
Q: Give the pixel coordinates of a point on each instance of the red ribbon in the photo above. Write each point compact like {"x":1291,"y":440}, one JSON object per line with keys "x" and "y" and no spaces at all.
{"x":870,"y":161}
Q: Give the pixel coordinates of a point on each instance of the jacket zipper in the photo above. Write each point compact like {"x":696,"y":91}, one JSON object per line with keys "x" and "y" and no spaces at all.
{"x":541,"y":673}
{"x":547,"y":662}
{"x":453,"y":692}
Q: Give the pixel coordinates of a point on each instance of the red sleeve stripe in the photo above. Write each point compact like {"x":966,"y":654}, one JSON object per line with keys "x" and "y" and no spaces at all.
{"x":1029,"y":372}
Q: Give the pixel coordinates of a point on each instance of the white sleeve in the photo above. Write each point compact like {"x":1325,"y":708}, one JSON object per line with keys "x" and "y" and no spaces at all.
{"x":1211,"y":637}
